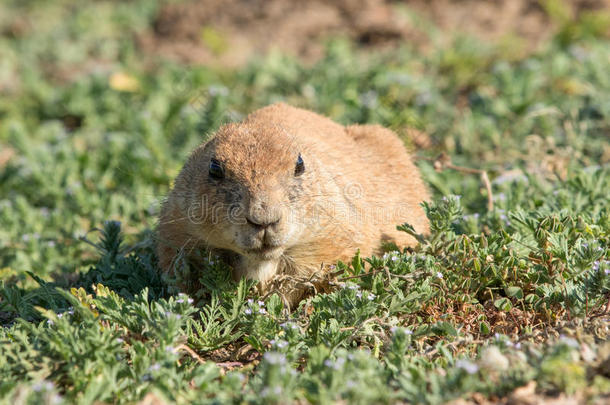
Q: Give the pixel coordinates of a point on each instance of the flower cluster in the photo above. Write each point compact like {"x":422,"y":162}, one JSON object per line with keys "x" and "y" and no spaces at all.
{"x":184,"y":298}
{"x":393,"y":256}
{"x":255,"y":308}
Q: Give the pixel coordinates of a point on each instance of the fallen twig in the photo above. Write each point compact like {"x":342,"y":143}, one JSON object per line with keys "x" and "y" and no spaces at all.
{"x":443,"y":161}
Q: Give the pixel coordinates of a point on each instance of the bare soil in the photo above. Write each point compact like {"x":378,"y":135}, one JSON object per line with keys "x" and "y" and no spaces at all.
{"x":230,"y":32}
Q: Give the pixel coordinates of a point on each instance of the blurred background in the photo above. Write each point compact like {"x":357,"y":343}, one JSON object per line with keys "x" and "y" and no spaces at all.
{"x":101,"y":101}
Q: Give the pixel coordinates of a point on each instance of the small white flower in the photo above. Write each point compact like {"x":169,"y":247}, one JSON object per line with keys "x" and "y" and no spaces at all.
{"x":170,"y":314}
{"x":50,"y":322}
{"x":43,"y":386}
{"x":189,"y":300}
{"x":439,"y":274}
{"x":179,"y":301}
{"x":371,"y":297}
{"x":500,"y":197}
{"x":336,"y":365}
{"x":467,"y":366}
{"x":493,"y":359}
{"x":250,"y":301}
{"x":154,"y":367}
{"x":568,"y":341}
{"x":218,"y":90}
{"x":289,"y":325}
{"x":369,"y":99}
{"x":248,"y":311}
{"x":279,"y":343}
{"x":260,"y":303}
{"x":262,"y":311}
{"x":274,"y":358}
{"x":397,"y":329}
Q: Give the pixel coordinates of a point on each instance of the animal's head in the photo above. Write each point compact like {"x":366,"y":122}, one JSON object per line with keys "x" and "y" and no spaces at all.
{"x":251,"y":183}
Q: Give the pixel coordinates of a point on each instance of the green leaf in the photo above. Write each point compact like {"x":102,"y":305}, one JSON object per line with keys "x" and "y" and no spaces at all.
{"x":514,"y":291}
{"x":503,"y":304}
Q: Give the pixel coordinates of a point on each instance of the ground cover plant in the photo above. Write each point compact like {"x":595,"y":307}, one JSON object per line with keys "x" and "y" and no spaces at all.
{"x":508,"y":298}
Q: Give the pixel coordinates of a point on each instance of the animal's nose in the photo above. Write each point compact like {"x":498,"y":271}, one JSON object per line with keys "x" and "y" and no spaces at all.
{"x":263,"y":212}
{"x":263,"y":223}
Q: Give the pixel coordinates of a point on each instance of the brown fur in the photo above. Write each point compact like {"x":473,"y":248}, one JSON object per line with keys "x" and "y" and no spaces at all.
{"x":358,"y":184}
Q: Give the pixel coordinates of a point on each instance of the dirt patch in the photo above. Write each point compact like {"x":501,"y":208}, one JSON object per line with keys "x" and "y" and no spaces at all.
{"x":494,"y":19}
{"x":230,"y":32}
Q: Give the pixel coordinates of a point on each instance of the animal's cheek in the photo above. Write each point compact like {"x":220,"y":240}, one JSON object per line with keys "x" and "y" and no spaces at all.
{"x":201,"y":211}
{"x":296,"y":218}
{"x":292,"y":227}
{"x":294,"y":193}
{"x":231,"y":195}
{"x":234,"y":214}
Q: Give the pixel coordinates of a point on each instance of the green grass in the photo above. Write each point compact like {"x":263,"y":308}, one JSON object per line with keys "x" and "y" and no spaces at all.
{"x":491,"y":300}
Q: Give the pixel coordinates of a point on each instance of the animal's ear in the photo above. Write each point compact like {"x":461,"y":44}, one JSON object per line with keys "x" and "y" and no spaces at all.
{"x":299,"y":168}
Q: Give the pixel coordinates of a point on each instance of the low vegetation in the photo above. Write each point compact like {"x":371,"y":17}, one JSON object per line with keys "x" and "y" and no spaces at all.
{"x":509,"y":296}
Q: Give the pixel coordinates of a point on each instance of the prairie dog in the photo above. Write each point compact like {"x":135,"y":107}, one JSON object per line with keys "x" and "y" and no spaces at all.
{"x":288,"y":191}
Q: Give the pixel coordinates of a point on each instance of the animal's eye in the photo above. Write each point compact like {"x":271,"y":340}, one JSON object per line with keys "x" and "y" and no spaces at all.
{"x":300,"y":166}
{"x":216,"y":170}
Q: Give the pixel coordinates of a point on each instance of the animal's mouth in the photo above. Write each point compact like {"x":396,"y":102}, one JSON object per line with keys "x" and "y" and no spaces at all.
{"x":266,"y":251}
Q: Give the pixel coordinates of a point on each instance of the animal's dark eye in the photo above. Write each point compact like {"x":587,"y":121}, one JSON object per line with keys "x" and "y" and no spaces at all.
{"x":300,"y":166}
{"x":216,"y":170}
